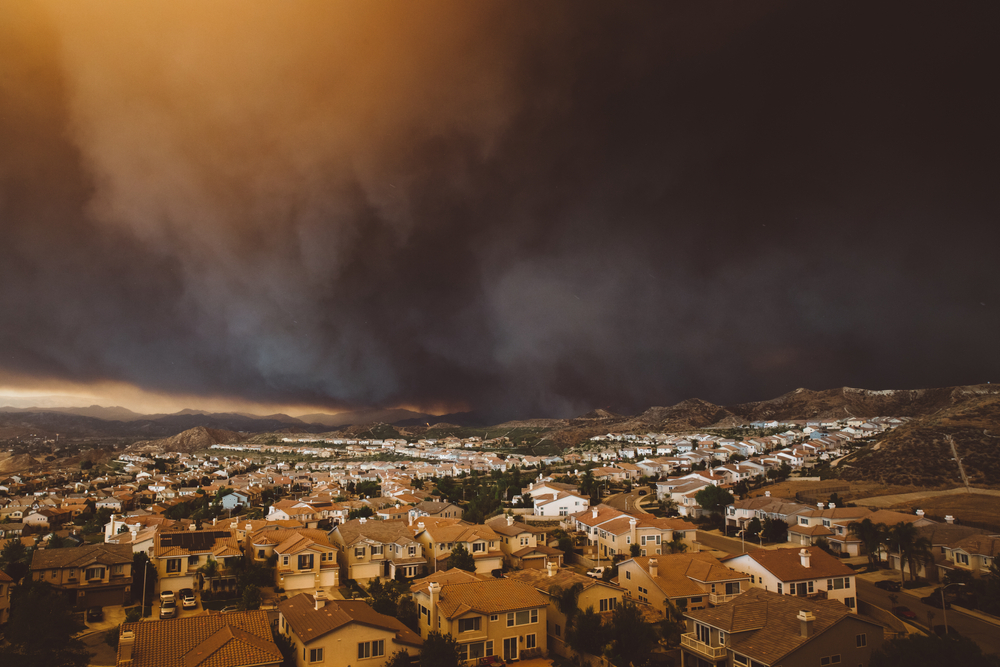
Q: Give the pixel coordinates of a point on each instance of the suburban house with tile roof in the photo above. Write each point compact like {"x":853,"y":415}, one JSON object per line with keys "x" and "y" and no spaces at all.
{"x":487,"y":617}
{"x":520,"y":544}
{"x":760,"y":628}
{"x":304,"y":560}
{"x":338,"y":633}
{"x":435,"y":508}
{"x":179,"y":555}
{"x":560,"y":503}
{"x":5,"y":584}
{"x":688,"y":580}
{"x":94,"y":575}
{"x":808,"y":572}
{"x":975,"y":554}
{"x":614,"y":532}
{"x":370,"y":549}
{"x":439,"y":537}
{"x":603,"y":596}
{"x":237,"y":639}
{"x":742,"y":512}
{"x":833,"y":523}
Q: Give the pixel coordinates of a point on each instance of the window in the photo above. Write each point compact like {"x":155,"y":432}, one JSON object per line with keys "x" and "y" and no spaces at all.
{"x":741,"y":660}
{"x":780,"y":591}
{"x":733,"y":588}
{"x":376,"y":550}
{"x":962,"y":559}
{"x":722,"y":638}
{"x":315,"y":655}
{"x":284,"y":560}
{"x":702,"y":633}
{"x":696,"y":600}
{"x":173,"y":565}
{"x":529,"y":641}
{"x":260,"y":554}
{"x":558,"y":632}
{"x":475,"y":650}
{"x":830,"y":660}
{"x":838,"y":583}
{"x":811,"y":587}
{"x":478,"y":546}
{"x":193,"y":560}
{"x":306,"y":562}
{"x":849,"y":602}
{"x":359,"y":552}
{"x":413,"y":551}
{"x":373,"y":649}
{"x":98,"y":572}
{"x":609,"y":604}
{"x":753,"y":578}
{"x":494,"y":617}
{"x":521,"y":617}
{"x":628,"y":575}
{"x":468,"y":624}
{"x":861,"y":640}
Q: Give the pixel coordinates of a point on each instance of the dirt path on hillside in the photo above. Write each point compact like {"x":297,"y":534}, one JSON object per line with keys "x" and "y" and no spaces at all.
{"x":902,"y":498}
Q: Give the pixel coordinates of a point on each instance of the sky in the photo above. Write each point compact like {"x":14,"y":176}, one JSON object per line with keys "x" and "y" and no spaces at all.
{"x":520,"y":209}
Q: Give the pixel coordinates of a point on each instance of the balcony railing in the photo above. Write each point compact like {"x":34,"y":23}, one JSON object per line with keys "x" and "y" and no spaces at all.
{"x":688,"y":641}
{"x":719,"y":598}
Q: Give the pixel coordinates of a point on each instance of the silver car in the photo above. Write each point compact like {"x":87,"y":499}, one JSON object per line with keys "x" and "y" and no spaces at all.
{"x":168,"y":609}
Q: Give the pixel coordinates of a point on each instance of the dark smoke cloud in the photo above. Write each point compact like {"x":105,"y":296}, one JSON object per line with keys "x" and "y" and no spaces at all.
{"x":515,"y":208}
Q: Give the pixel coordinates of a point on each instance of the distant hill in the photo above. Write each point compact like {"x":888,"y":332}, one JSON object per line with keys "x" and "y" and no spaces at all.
{"x":188,"y":441}
{"x":919,"y":452}
{"x":374,"y":415}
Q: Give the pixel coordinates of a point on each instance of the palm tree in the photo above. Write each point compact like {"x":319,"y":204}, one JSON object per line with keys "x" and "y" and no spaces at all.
{"x":873,"y":536}
{"x":207,"y":572}
{"x":903,"y":539}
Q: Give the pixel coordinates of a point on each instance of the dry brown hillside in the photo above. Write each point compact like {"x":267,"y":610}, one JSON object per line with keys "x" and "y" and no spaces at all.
{"x":191,"y":440}
{"x":919,"y":452}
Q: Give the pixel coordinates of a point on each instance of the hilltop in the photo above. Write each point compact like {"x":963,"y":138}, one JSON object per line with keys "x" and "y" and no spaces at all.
{"x":194,"y":439}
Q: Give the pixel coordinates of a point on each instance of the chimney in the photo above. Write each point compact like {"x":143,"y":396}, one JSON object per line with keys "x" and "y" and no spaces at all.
{"x":767,"y":494}
{"x":920,"y":513}
{"x":653,"y":567}
{"x":831,"y":506}
{"x":820,"y":506}
{"x":434,"y":588}
{"x":249,"y":527}
{"x":215,"y":521}
{"x":804,"y":557}
{"x":420,"y":525}
{"x":510,"y":519}
{"x":949,"y":519}
{"x":631,"y":527}
{"x":806,"y":620}
{"x":594,"y":510}
{"x":551,"y":567}
{"x":125,"y":644}
{"x":320,"y":598}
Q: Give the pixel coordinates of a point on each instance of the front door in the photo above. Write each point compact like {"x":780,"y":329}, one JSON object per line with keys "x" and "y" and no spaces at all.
{"x":802,"y":590}
{"x":510,"y":648}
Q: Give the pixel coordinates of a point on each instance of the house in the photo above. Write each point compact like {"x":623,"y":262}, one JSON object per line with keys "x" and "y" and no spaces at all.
{"x":974,"y":554}
{"x":179,"y":555}
{"x":687,"y":580}
{"x":338,"y":633}
{"x":560,"y":503}
{"x":6,"y":582}
{"x":305,"y":561}
{"x":435,"y":508}
{"x":519,"y":544}
{"x":500,"y":617}
{"x":601,"y":596}
{"x":439,"y":537}
{"x":742,"y":512}
{"x":808,"y":572}
{"x":613,"y":532}
{"x":95,"y":575}
{"x":370,"y":549}
{"x":236,"y":639}
{"x":764,"y":628}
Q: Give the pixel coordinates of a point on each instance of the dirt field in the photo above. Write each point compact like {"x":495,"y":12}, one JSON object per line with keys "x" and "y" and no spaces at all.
{"x":857,"y":489}
{"x":975,"y":507}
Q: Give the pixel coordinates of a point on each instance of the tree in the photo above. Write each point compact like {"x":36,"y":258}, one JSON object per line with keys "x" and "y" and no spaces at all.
{"x":462,"y":559}
{"x":911,"y":549}
{"x":713,"y":498}
{"x":566,"y":599}
{"x":634,"y":550}
{"x":41,"y":628}
{"x":406,"y":612}
{"x":287,"y":650}
{"x":207,"y":572}
{"x":399,"y":659}
{"x":251,"y":598}
{"x":634,"y":637}
{"x":676,"y":543}
{"x":384,"y":598}
{"x":672,"y":626}
{"x":439,"y":651}
{"x":873,"y":536}
{"x":15,"y":559}
{"x":587,"y":634}
{"x":143,"y":578}
{"x":775,"y":530}
{"x":931,"y":651}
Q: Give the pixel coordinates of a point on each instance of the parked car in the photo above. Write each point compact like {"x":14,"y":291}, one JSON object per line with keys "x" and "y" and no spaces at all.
{"x":642,"y":492}
{"x":95,"y":614}
{"x":888,"y":585}
{"x":905,"y":613}
{"x":168,"y":609}
{"x":167,"y":595}
{"x":934,"y":600}
{"x":491,"y":661}
{"x":188,"y":599}
{"x":596,"y":572}
{"x":226,"y":610}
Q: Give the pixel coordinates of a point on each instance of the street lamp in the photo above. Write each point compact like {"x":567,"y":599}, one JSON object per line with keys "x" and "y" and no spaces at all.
{"x":944,"y":610}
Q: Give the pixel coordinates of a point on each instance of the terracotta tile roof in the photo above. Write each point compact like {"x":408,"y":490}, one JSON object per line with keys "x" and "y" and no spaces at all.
{"x":564,"y":578}
{"x":385,"y":532}
{"x":983,"y":545}
{"x":490,"y":596}
{"x":764,"y":625}
{"x":206,"y":640}
{"x":102,"y":554}
{"x":452,"y":576}
{"x":308,"y":623}
{"x":786,"y":564}
{"x":810,"y":530}
{"x":682,"y":575}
